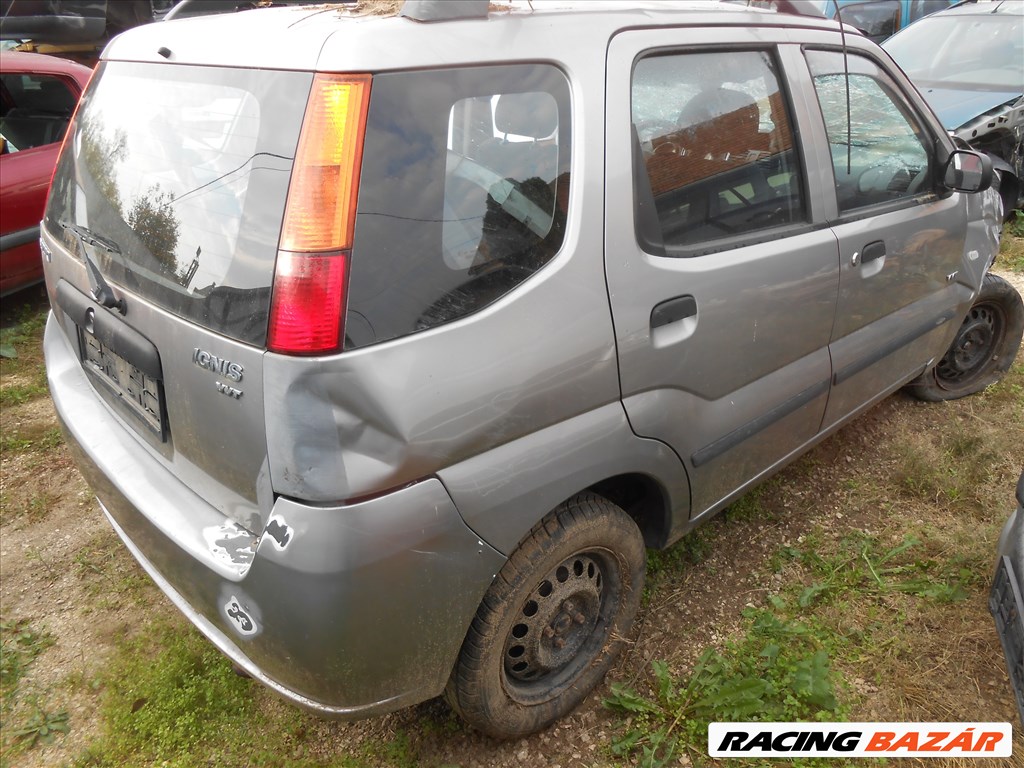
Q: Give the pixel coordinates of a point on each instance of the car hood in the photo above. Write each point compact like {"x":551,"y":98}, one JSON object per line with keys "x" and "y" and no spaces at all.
{"x":955,"y":106}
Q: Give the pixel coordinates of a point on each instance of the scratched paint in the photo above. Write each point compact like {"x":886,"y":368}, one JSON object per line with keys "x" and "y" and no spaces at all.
{"x":231,"y":543}
{"x":280,"y":533}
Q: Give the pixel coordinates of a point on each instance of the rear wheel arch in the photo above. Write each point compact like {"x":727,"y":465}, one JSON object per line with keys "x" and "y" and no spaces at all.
{"x":644,"y":499}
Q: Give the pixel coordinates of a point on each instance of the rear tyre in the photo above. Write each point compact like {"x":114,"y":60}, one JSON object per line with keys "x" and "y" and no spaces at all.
{"x":553,"y":620}
{"x":984,"y":347}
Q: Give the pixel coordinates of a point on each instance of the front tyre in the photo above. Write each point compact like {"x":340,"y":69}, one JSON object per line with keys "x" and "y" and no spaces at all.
{"x":553,"y":620}
{"x":984,"y":347}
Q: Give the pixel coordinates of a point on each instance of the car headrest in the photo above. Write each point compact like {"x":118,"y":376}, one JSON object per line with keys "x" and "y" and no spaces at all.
{"x":526,"y":114}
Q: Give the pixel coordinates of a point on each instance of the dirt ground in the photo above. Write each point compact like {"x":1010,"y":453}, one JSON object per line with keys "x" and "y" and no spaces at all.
{"x":56,"y":554}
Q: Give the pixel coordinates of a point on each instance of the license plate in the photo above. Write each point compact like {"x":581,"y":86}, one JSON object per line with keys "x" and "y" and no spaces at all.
{"x":140,"y":394}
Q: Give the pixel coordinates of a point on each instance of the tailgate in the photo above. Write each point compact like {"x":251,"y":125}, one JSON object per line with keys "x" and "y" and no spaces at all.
{"x":172,"y":184}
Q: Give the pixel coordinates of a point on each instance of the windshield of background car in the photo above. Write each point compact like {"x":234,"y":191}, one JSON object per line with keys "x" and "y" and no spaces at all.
{"x":973,"y":52}
{"x":185,"y":170}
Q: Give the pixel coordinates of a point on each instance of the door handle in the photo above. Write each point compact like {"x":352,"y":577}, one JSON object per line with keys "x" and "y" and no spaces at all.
{"x":673,"y":310}
{"x":872,"y":251}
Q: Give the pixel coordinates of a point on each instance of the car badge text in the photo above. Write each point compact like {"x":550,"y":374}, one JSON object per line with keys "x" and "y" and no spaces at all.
{"x":220,"y":365}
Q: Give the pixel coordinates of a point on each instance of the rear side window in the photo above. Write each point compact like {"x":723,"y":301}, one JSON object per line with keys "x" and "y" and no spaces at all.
{"x":462,"y":194}
{"x":34,"y":109}
{"x":714,"y":152}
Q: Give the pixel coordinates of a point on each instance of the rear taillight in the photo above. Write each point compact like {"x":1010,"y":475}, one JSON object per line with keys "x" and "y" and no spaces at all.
{"x":307,"y":310}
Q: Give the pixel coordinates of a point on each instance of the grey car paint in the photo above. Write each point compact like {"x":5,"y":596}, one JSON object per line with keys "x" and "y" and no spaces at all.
{"x":379,"y":490}
{"x":280,"y":604}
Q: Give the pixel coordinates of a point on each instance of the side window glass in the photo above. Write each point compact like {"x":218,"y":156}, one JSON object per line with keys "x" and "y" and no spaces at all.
{"x":715,"y":148}
{"x":877,"y":19}
{"x":878,"y":149}
{"x":500,"y":183}
{"x":921,"y":8}
{"x":36,"y":110}
{"x":474,"y":164}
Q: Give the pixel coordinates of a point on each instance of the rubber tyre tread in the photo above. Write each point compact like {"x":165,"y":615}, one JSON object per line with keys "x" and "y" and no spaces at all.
{"x":475,"y":689}
{"x":994,"y":290}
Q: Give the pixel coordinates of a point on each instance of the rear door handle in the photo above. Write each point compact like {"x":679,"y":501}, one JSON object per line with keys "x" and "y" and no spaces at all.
{"x":673,"y":310}
{"x":872,"y":251}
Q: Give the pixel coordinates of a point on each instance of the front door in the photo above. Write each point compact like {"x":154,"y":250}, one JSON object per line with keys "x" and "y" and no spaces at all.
{"x":900,"y":243}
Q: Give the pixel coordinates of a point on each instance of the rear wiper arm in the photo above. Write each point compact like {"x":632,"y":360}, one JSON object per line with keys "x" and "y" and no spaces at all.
{"x":101,"y":290}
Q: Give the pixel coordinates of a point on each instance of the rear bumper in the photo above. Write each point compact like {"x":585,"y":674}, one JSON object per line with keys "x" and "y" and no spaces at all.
{"x":347,"y":611}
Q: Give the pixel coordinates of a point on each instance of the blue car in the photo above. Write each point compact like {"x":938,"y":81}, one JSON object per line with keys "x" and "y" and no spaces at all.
{"x":968,"y":63}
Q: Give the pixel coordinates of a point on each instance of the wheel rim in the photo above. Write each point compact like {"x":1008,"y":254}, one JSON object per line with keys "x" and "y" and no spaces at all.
{"x":973,"y":349}
{"x":560,"y":627}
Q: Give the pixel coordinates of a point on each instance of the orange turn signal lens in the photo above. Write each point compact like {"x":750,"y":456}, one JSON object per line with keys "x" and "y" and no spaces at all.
{"x":321,"y":208}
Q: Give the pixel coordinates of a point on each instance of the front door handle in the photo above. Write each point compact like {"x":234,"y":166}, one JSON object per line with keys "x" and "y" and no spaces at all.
{"x":673,"y":310}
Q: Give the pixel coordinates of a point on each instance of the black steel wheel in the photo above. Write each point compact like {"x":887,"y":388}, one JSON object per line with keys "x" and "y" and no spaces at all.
{"x":553,"y":620}
{"x":983,"y":349}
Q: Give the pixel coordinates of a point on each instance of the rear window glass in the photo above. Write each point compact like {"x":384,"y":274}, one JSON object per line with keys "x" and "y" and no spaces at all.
{"x":183,"y":172}
{"x":462,"y":196}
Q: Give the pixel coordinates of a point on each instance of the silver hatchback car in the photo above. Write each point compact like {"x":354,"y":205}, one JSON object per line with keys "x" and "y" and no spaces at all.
{"x":388,"y":342}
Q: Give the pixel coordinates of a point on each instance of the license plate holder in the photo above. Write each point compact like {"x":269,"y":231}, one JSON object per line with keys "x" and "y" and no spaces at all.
{"x":135,"y":393}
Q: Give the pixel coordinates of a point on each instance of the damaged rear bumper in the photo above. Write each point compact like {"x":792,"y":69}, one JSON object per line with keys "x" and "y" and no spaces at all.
{"x":347,"y":611}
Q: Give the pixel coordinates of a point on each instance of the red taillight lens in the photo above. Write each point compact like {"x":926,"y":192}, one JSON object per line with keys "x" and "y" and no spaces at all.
{"x":309,"y":298}
{"x":311,"y":277}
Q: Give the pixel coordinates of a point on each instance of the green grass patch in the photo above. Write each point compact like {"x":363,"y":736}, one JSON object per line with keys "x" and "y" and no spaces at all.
{"x":24,"y":338}
{"x":20,"y":644}
{"x":41,"y":440}
{"x":109,"y":574}
{"x":778,"y":670}
{"x":170,"y":697}
{"x":1011,"y":248}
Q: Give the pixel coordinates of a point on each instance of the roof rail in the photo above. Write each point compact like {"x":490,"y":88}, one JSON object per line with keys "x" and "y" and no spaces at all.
{"x":444,"y":10}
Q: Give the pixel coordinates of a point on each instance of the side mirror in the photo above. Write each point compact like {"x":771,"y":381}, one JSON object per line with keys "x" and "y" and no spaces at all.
{"x":968,"y":171}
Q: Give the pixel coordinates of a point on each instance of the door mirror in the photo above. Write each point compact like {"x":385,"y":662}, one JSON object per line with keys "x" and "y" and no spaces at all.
{"x":968,"y":171}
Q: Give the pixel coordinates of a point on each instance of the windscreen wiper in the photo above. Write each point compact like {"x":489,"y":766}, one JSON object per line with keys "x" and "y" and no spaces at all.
{"x":101,"y":290}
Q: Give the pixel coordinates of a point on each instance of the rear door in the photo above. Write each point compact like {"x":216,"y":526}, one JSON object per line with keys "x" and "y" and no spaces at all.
{"x":901,"y":243}
{"x":723,"y":275}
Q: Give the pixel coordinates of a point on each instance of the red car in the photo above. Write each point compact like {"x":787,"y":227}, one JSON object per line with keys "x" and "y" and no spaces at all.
{"x":38,"y":95}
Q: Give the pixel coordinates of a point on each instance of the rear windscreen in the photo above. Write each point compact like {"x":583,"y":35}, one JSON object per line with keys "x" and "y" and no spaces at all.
{"x":177,"y":176}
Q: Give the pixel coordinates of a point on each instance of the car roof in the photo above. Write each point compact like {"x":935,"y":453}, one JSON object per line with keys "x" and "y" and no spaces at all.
{"x":348,"y":38}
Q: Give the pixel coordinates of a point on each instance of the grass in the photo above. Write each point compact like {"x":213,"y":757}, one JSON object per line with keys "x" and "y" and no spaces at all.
{"x":21,"y":341}
{"x":20,"y":644}
{"x":1011,"y":249}
{"x":170,"y":698}
{"x":778,"y":670}
{"x":26,"y":722}
{"x":110,"y":576}
{"x":32,"y":439}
